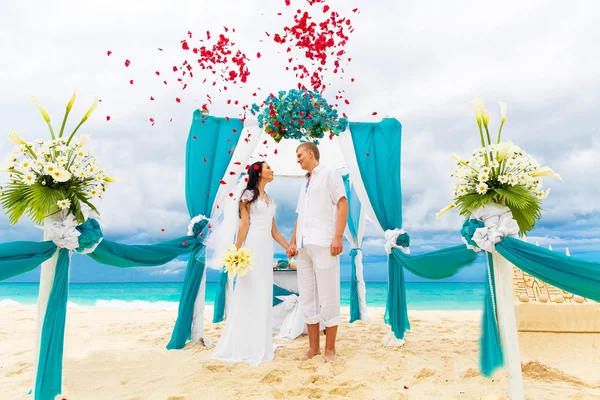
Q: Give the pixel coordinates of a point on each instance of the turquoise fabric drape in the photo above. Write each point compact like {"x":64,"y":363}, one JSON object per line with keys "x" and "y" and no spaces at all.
{"x":48,"y":381}
{"x":279,"y":291}
{"x":354,"y":300}
{"x":354,"y":215}
{"x":354,"y":207}
{"x":221,"y":297}
{"x":490,"y":349}
{"x":438,"y":264}
{"x":143,"y":255}
{"x":377,"y":149}
{"x":17,"y":258}
{"x":210,"y":146}
{"x":576,"y":276}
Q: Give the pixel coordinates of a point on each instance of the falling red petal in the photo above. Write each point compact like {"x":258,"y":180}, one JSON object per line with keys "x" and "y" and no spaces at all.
{"x":374,"y":113}
{"x":178,"y":100}
{"x":230,"y":194}
{"x":367,"y":154}
{"x":346,"y":101}
{"x":222,"y":182}
{"x":257,"y":55}
{"x":131,"y":81}
{"x":108,"y":117}
{"x":108,"y":53}
{"x":151,"y":98}
{"x":127,"y":62}
{"x":162,"y":229}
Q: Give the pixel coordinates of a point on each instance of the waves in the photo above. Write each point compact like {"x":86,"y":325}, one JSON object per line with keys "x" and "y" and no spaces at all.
{"x":137,"y":305}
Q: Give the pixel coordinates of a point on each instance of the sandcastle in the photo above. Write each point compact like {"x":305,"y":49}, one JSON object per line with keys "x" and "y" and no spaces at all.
{"x":541,"y":307}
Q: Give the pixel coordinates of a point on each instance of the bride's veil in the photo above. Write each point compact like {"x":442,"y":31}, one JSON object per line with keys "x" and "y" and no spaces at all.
{"x":224,"y":226}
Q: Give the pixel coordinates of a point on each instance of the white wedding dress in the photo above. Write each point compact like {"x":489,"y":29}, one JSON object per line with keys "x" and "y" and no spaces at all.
{"x":248,"y":332}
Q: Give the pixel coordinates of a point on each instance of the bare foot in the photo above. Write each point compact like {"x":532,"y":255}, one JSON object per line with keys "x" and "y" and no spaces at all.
{"x":309,"y":354}
{"x":329,"y":356}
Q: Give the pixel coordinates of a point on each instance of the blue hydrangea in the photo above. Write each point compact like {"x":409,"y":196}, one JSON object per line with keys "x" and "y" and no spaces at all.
{"x":302,"y":115}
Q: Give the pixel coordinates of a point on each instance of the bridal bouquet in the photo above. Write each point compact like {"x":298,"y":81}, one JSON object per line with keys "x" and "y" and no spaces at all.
{"x":238,"y":261}
{"x":499,"y":173}
{"x":48,"y":176}
{"x":299,"y":114}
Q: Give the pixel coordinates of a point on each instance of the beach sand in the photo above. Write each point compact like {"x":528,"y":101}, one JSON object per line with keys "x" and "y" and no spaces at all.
{"x":120,"y":354}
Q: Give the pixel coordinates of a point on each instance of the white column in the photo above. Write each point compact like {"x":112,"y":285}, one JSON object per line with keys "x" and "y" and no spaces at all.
{"x":198,"y":316}
{"x":46,"y":280}
{"x":507,"y":322}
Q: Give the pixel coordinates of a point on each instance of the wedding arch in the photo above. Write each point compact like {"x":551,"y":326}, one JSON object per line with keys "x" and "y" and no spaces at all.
{"x":216,"y":154}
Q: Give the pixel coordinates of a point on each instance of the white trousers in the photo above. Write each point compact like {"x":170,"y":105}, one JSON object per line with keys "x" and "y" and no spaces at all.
{"x":319,"y":285}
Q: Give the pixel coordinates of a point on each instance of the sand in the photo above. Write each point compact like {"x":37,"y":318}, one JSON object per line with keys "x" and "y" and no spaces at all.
{"x":120,"y":354}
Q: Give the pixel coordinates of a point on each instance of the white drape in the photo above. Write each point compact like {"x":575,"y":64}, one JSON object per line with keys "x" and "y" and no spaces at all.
{"x":347,"y":146}
{"x":507,"y":325}
{"x":223,"y":202}
{"x":362,"y":288}
{"x":46,"y":280}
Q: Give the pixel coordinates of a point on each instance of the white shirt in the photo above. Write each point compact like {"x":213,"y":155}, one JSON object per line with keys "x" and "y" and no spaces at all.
{"x":317,"y":207}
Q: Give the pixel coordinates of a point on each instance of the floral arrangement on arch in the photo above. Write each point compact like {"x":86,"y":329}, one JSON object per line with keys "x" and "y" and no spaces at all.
{"x":302,"y":115}
{"x":499,"y":173}
{"x":46,"y":177}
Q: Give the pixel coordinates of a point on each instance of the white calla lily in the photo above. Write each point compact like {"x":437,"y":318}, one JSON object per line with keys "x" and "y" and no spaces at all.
{"x":444,"y":210}
{"x":502,"y":150}
{"x":546,"y":171}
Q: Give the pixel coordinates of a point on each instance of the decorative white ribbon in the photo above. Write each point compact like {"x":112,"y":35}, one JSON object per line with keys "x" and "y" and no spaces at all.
{"x":391,"y":340}
{"x":193,"y":222}
{"x":62,"y":229}
{"x":498,"y":223}
{"x":391,"y":236}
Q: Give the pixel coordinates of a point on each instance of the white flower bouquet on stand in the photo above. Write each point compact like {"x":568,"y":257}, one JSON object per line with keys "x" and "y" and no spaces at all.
{"x":46,"y":177}
{"x":499,"y":173}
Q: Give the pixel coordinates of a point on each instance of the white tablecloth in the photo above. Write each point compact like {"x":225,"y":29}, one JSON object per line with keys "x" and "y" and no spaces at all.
{"x":286,"y":279}
{"x":288,"y":318}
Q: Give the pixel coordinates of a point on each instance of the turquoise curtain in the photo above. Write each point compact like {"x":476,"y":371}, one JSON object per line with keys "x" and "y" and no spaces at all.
{"x":210,"y":146}
{"x":19,"y":257}
{"x":576,"y":276}
{"x":279,"y":291}
{"x":490,"y":353}
{"x":148,"y":255}
{"x":377,"y":149}
{"x":354,"y":216}
{"x":438,"y":264}
{"x":220,"y":297}
{"x":354,"y":300}
{"x":48,"y":381}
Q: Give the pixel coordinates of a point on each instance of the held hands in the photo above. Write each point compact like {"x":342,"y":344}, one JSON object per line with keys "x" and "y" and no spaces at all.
{"x":336,"y":246}
{"x":292,"y":251}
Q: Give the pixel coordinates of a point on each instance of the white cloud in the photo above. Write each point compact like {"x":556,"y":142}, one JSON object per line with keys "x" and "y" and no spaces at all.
{"x":174,"y":267}
{"x":421,"y":62}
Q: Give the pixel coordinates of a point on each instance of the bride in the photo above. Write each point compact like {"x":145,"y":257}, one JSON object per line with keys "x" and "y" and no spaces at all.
{"x":247,"y":335}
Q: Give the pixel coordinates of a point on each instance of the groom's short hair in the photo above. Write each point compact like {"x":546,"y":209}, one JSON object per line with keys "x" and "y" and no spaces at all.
{"x":310,"y":146}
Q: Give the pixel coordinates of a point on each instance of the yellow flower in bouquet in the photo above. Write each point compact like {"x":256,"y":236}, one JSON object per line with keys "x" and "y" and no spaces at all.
{"x":238,"y":261}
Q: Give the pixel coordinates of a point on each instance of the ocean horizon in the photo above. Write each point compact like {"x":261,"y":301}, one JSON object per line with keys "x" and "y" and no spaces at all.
{"x":165,"y":295}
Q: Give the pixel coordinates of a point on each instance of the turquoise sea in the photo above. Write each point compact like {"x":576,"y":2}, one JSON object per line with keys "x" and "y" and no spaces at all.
{"x":158,"y":295}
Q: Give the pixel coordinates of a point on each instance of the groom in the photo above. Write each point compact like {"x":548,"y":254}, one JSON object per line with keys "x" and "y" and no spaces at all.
{"x":317,"y":241}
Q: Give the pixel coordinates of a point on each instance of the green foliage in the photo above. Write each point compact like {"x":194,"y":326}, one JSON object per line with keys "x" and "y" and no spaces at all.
{"x":524,"y":205}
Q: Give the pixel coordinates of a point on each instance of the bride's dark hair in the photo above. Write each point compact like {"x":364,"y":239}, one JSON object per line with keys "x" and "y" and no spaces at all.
{"x":253,"y":178}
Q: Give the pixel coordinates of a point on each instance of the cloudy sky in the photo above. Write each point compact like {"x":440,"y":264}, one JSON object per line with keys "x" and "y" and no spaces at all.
{"x":421,"y":62}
